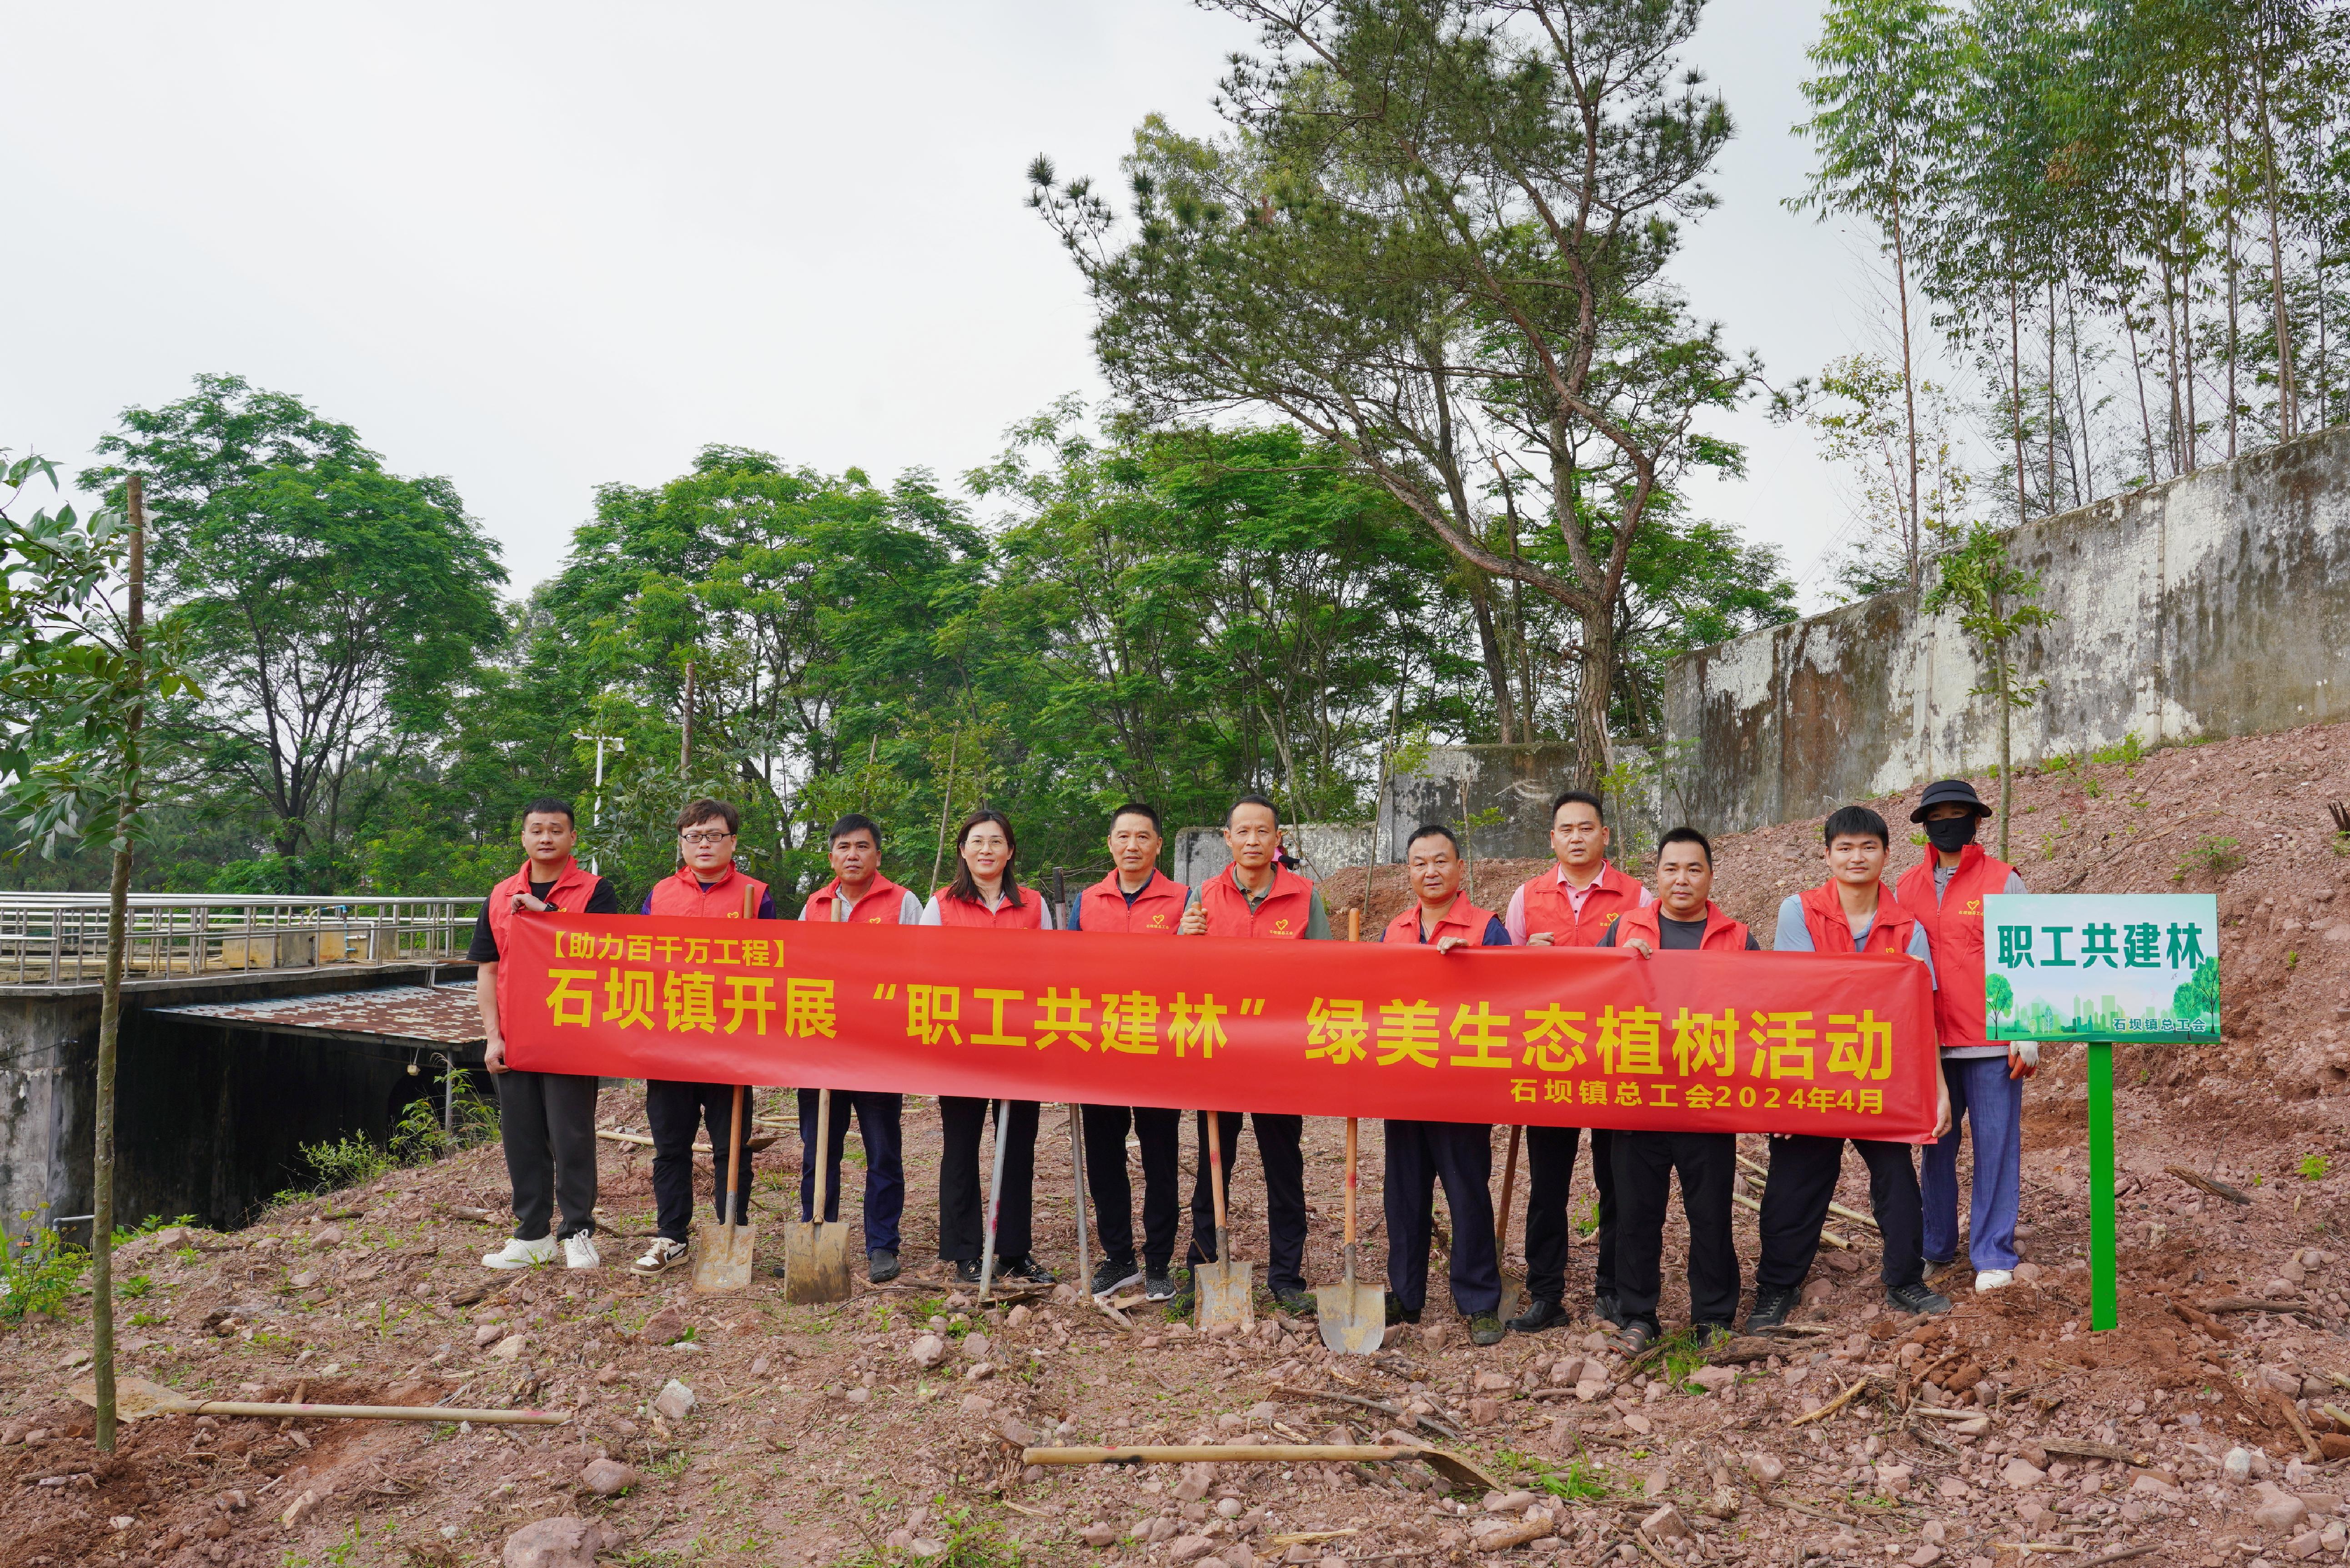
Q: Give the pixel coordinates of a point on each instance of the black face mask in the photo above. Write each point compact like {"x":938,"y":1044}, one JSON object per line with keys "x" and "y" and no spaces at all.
{"x":1951,"y":833}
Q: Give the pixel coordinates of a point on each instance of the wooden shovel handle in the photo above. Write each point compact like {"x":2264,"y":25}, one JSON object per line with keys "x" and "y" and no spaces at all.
{"x":1509,"y":1184}
{"x":823,"y":1151}
{"x":733,"y":1168}
{"x":1216,"y":1179}
{"x":1350,"y":1181}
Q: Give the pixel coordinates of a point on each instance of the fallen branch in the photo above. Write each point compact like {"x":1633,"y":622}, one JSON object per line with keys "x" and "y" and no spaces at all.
{"x":465,"y":1212}
{"x":2120,"y":1554}
{"x":2072,"y":1448}
{"x":2309,"y":1448}
{"x":1827,"y":1237}
{"x":1522,"y":1534}
{"x":1309,"y":1537}
{"x":1451,"y":1467}
{"x":2196,"y":1179}
{"x":2196,"y":1318}
{"x":1833,"y":1406}
{"x":1838,"y":1210}
{"x":751,"y":1145}
{"x":2258,"y":1304}
{"x":1440,"y":1428}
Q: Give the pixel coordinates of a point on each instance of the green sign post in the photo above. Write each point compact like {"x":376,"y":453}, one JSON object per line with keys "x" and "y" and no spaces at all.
{"x":2098,"y":968}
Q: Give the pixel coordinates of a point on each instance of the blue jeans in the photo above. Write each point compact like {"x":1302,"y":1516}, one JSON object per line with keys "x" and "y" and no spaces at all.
{"x":1982,"y":1094}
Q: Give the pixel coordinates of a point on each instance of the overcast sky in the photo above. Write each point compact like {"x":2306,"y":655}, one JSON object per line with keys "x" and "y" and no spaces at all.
{"x":538,"y":247}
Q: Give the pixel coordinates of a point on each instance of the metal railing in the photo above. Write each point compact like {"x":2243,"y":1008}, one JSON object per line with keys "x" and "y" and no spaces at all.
{"x":59,"y":938}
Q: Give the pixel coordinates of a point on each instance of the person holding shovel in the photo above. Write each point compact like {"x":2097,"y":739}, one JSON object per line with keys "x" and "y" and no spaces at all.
{"x":1852,"y":912}
{"x":986,"y":894}
{"x":1258,"y":897}
{"x":545,"y":1120}
{"x":858,"y":895}
{"x":1460,"y":1154}
{"x":708,"y":885}
{"x":1983,"y":1079}
{"x":1572,"y":905}
{"x":1683,"y":918}
{"x":1134,"y":898}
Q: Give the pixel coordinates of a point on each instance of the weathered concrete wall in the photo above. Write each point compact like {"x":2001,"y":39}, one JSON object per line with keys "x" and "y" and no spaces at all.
{"x":2218,"y":604}
{"x":1322,"y":847}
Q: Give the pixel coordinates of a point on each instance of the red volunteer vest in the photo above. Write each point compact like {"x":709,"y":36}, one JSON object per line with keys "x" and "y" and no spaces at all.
{"x":1157,"y":910}
{"x":574,"y":886}
{"x":1722,"y":934}
{"x":1954,"y":925}
{"x":1028,"y":917}
{"x":1283,"y":913}
{"x":723,"y":899}
{"x":1831,"y":933}
{"x":1462,"y":919}
{"x":1547,"y":907}
{"x":882,"y":903}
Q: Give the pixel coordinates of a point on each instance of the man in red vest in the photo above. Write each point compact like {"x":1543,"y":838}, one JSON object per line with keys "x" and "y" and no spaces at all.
{"x":1684,"y":919}
{"x":1258,"y":897}
{"x":1570,"y":907}
{"x":1419,"y":1153}
{"x":859,"y":895}
{"x":1133,"y":898}
{"x":1985,"y":1080}
{"x":1852,"y":912}
{"x":706,"y":887}
{"x":545,"y":1120}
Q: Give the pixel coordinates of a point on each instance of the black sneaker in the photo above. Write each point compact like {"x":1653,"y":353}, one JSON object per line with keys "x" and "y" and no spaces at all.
{"x":1398,"y":1313}
{"x":1486,"y":1328}
{"x":881,"y":1265}
{"x":1540,"y":1315}
{"x":1027,"y":1270}
{"x":966,"y":1271}
{"x":1635,"y":1334}
{"x":1114,"y":1275}
{"x":1917,"y":1298}
{"x":1772,"y":1305}
{"x":1604,"y":1309}
{"x":1297,"y":1302}
{"x":1158,"y":1282}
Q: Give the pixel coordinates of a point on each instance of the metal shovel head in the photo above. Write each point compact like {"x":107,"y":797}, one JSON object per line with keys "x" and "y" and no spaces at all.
{"x":721,"y":1259}
{"x":1227,"y":1296}
{"x":1353,"y":1318}
{"x":1513,"y":1297}
{"x":136,"y":1398}
{"x":815,"y":1263}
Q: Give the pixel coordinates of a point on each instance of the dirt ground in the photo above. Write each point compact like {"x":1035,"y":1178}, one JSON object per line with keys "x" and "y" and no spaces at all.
{"x":820,"y":1435}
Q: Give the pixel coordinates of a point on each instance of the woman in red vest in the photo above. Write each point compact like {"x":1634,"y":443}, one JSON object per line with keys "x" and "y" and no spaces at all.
{"x":986,"y":894}
{"x":545,"y":1120}
{"x":708,"y":885}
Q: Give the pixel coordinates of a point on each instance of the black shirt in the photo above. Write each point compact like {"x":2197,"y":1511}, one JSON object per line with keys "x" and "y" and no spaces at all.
{"x":1679,"y":936}
{"x":485,"y":946}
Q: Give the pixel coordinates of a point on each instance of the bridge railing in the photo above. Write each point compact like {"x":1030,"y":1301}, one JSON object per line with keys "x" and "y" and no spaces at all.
{"x":61,"y":939}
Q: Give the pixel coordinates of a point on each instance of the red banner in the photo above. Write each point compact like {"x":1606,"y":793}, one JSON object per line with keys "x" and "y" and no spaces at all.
{"x":1560,"y":1036}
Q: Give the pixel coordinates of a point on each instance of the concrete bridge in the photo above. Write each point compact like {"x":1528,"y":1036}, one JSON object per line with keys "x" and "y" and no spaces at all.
{"x":251,"y":1025}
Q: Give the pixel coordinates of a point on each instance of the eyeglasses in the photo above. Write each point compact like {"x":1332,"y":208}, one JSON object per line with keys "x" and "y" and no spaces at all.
{"x":704,"y":837}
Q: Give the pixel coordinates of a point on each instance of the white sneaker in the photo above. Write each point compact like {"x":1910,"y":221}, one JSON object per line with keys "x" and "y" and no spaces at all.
{"x":1993,"y":1280}
{"x":579,"y":1251}
{"x":518,"y":1254}
{"x":662,"y":1254}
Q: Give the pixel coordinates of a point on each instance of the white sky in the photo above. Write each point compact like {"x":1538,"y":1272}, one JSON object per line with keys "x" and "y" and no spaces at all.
{"x":538,"y":247}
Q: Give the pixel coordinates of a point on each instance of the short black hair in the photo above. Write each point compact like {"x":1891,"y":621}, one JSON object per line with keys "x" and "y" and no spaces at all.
{"x":854,"y":822}
{"x":1855,"y":822}
{"x":703,"y":810}
{"x":1141,"y":808}
{"x":1253,"y":800}
{"x":1686,"y":835}
{"x":1574,"y":797}
{"x":549,"y":805}
{"x":1432,"y":830}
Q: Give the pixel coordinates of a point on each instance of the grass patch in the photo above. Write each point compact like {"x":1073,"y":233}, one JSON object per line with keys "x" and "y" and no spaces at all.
{"x":2314,"y":1167}
{"x":2211,"y":853}
{"x":1581,"y":1481}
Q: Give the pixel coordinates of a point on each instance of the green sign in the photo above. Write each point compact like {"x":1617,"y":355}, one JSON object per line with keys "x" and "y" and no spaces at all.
{"x":2142,"y":967}
{"x":2100,"y":968}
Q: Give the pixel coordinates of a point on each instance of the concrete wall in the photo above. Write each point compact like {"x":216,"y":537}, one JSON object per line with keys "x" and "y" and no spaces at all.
{"x":1322,"y":846}
{"x":2218,"y":604}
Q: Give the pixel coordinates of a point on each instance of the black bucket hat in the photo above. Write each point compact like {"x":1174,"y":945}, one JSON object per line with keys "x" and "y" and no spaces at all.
{"x":1950,"y":791}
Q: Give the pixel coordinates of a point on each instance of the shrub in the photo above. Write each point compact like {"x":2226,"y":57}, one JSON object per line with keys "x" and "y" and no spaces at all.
{"x":2213,"y":854}
{"x":38,"y":1273}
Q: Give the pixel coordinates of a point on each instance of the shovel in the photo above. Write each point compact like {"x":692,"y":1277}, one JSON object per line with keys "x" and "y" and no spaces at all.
{"x":1226,"y":1298}
{"x":994,"y":1199}
{"x":1353,"y":1318}
{"x":816,"y":1254}
{"x":1513,"y":1289}
{"x":721,"y":1262}
{"x":135,"y":1399}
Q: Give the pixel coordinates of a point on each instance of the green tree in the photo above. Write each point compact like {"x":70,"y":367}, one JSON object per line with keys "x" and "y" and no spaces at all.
{"x":1999,"y":995}
{"x":1995,"y":601}
{"x":2199,"y":997}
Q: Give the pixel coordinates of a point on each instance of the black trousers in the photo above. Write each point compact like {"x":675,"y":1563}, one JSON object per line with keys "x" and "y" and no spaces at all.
{"x":885,"y":1166}
{"x":1159,"y":1131}
{"x":1550,"y":1169}
{"x":547,"y":1123}
{"x":1644,"y":1163}
{"x":962,"y":1184}
{"x":1459,"y":1155}
{"x":675,"y":1112}
{"x":1804,"y":1171}
{"x":1278,"y":1149}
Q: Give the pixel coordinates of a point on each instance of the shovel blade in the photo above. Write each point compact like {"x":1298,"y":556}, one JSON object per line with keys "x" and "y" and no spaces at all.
{"x":721,"y":1262}
{"x":1354,"y":1318}
{"x":1513,"y":1297}
{"x":1227,"y":1297}
{"x":815,"y":1263}
{"x":135,"y":1397}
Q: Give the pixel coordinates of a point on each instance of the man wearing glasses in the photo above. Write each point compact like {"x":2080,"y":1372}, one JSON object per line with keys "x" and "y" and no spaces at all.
{"x":707,"y":887}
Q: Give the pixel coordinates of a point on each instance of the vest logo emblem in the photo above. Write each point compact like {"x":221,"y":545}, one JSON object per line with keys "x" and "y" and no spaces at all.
{"x":1280,"y":926}
{"x":1974,"y":907}
{"x":1159,"y":920}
